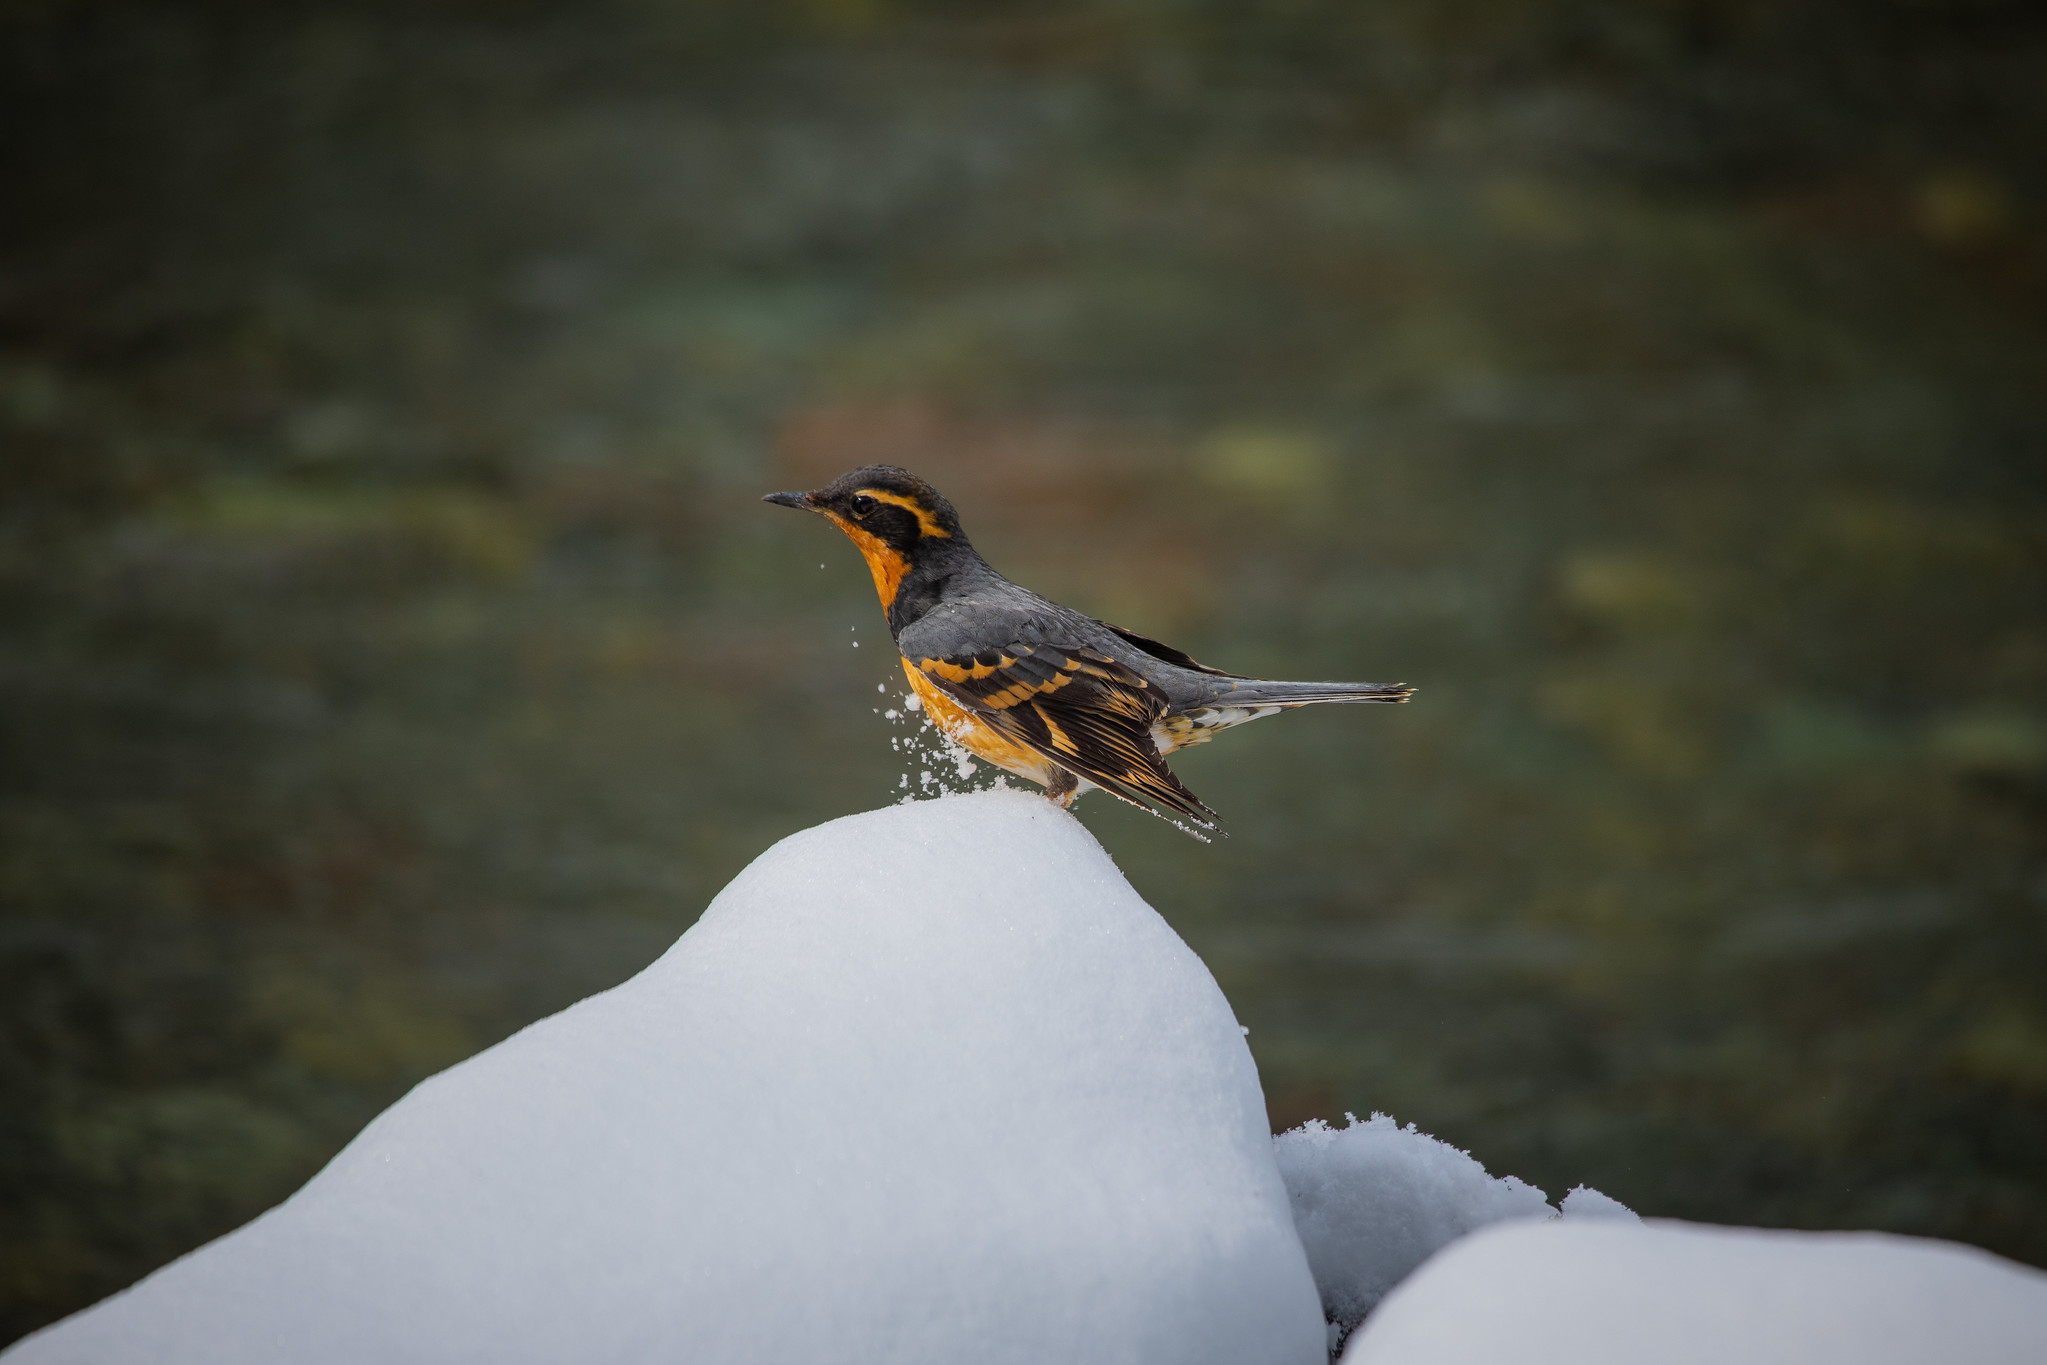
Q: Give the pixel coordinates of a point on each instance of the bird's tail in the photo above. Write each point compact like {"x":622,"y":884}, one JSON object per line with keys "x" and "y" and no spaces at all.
{"x":1261,"y":692}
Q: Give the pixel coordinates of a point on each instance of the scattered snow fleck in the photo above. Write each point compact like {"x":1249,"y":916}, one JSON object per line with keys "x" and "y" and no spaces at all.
{"x":945,"y":768}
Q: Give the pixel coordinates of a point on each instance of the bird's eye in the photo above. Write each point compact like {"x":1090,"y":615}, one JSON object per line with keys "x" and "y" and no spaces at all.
{"x":863,"y":504}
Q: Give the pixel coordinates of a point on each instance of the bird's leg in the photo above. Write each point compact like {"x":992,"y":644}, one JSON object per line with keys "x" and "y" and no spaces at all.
{"x":1063,"y":787}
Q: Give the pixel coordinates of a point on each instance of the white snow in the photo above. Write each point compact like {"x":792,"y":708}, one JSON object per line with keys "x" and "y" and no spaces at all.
{"x":1373,"y":1200}
{"x":1581,"y":1202}
{"x":1604,"y":1292}
{"x":930,"y":1084}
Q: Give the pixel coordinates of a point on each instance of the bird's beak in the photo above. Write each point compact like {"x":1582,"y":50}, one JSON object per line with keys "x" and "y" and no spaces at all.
{"x":801,"y":501}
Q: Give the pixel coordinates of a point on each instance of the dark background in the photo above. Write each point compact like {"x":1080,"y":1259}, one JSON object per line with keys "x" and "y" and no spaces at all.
{"x":394,"y":650}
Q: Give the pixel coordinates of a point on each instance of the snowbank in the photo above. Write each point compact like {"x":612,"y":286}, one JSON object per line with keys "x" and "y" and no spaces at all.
{"x":1374,"y":1200}
{"x":1602,"y":1292}
{"x":926,"y":1084}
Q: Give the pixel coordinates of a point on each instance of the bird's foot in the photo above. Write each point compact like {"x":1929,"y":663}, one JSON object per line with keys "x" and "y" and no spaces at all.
{"x":1062,"y":789}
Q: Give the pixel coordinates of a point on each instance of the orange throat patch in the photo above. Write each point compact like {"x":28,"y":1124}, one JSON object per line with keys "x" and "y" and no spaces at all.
{"x":884,"y":560}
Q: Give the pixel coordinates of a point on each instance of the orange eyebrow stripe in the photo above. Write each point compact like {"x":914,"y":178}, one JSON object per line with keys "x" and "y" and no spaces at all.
{"x":927,"y":525}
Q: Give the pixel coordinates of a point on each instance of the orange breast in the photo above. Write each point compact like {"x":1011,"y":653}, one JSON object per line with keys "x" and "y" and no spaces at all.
{"x":967,"y":730}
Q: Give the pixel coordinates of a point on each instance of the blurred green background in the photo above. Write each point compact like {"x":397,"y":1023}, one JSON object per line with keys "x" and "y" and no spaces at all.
{"x":395,"y":650}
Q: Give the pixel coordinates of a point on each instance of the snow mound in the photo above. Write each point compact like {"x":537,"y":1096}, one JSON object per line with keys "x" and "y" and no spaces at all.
{"x":929,"y":1084}
{"x":1374,"y":1200}
{"x":1593,"y":1292}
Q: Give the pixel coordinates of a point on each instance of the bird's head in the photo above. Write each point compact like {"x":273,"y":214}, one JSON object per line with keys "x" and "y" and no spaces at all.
{"x":895,"y":519}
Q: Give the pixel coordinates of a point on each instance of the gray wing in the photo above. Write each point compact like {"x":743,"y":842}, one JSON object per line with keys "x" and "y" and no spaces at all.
{"x":998,"y":614}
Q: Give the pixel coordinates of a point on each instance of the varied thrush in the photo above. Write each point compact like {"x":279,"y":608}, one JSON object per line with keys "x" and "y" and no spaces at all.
{"x":1037,"y":689}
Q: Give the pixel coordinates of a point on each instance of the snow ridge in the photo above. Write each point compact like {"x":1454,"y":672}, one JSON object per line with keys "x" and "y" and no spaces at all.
{"x":1373,"y":1200}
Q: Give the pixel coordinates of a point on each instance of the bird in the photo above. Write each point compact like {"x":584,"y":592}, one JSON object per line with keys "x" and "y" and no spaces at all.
{"x":1037,"y":689}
